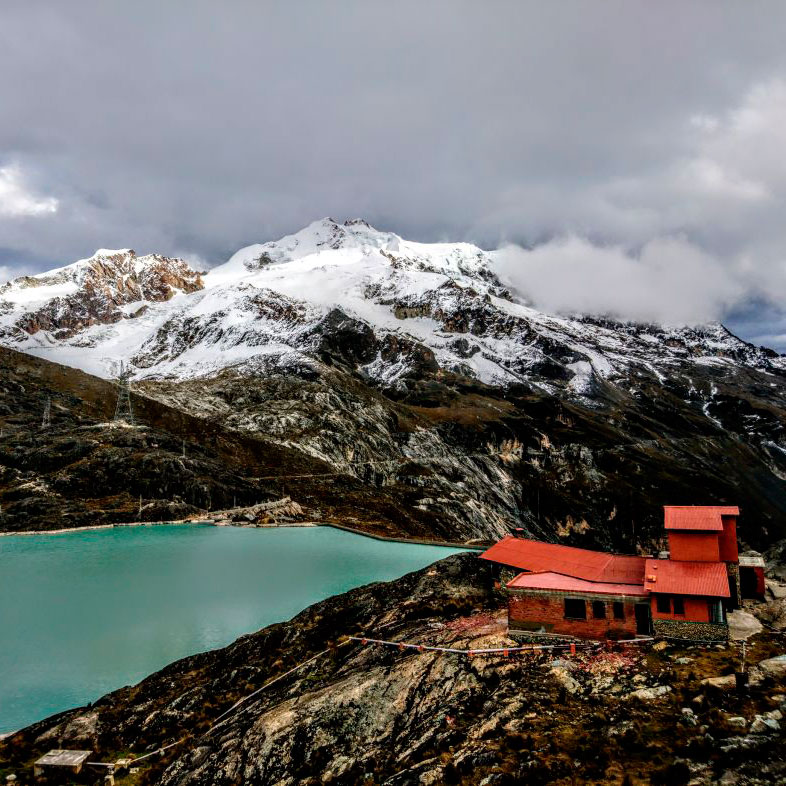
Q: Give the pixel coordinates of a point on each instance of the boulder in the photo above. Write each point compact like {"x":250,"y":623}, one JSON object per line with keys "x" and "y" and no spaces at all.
{"x":737,"y":722}
{"x":649,"y":694}
{"x":689,"y":716}
{"x":773,"y":614}
{"x":774,"y":667}
{"x":764,"y":725}
{"x":725,"y":683}
{"x":564,"y":679}
{"x":777,"y":590}
{"x":743,"y":625}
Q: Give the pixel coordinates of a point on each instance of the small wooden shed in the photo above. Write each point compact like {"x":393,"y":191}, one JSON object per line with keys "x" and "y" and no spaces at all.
{"x":61,"y":762}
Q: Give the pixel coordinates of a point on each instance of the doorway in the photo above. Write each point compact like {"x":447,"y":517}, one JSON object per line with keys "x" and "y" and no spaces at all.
{"x":643,"y":626}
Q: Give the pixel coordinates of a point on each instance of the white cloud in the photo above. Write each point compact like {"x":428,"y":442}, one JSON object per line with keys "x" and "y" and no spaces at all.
{"x":670,"y":280}
{"x":16,"y":200}
{"x":604,"y":128}
{"x":749,"y":140}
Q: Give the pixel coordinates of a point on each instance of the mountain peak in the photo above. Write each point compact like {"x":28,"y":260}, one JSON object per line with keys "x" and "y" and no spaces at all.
{"x":325,"y":234}
{"x":438,"y":301}
{"x":104,"y":288}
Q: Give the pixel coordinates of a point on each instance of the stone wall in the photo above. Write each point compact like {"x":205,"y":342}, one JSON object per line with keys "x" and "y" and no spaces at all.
{"x":691,"y":631}
{"x":733,"y":570}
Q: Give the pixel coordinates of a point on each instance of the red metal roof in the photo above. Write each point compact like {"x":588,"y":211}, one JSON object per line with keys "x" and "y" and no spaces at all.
{"x":697,"y":517}
{"x":535,"y":556}
{"x":548,"y":580}
{"x":686,"y":578}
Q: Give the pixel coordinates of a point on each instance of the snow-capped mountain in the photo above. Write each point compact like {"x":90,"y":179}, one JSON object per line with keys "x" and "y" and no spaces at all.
{"x":57,"y":307}
{"x":414,"y":307}
{"x":446,"y":404}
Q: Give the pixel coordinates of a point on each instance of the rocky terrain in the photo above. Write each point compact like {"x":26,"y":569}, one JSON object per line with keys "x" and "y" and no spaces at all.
{"x":101,"y":290}
{"x":467,"y":464}
{"x":85,"y":469}
{"x":368,"y":715}
{"x":391,"y":386}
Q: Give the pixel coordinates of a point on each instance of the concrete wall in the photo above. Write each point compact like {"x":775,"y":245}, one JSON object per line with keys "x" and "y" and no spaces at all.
{"x":696,"y":609}
{"x":531,"y":611}
{"x":728,"y":540}
{"x":694,"y":547}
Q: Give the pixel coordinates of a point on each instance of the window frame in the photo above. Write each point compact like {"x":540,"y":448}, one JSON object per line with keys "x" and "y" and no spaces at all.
{"x":599,"y":605}
{"x":575,"y":601}
{"x":661,"y":601}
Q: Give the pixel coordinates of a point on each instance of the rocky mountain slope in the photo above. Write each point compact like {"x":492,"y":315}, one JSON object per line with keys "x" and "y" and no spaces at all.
{"x":412,"y":307}
{"x":86,"y":469}
{"x":102,"y":290}
{"x":409,"y":374}
{"x":372,"y":715}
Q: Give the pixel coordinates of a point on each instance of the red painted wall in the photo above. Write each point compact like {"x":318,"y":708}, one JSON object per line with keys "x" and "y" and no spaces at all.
{"x":530,"y":611}
{"x":728,"y":540}
{"x":761,"y":586}
{"x":694,"y":547}
{"x":696,"y":610}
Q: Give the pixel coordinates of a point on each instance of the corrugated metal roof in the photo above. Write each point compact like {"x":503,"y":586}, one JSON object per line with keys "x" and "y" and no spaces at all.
{"x":548,"y":580}
{"x":697,"y":517}
{"x":750,"y":561}
{"x":535,"y":556}
{"x":687,"y":578}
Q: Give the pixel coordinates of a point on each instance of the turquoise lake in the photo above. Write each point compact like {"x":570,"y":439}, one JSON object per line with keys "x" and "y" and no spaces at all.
{"x":84,"y":613}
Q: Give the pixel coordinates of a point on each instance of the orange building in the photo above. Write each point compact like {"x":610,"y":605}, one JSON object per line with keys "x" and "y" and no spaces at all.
{"x":566,"y":591}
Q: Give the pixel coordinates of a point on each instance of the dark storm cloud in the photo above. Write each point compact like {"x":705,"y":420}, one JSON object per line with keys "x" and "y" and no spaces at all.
{"x":641,"y":141}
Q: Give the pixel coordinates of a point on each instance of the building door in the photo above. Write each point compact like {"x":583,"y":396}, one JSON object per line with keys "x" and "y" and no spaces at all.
{"x":643,"y":626}
{"x":748,"y":583}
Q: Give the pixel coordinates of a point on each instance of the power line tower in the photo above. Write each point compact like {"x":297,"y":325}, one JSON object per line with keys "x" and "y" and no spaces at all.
{"x":46,"y":420}
{"x":123,"y":409}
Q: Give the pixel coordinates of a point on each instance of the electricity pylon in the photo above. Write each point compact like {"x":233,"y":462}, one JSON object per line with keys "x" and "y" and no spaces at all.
{"x":123,"y":409}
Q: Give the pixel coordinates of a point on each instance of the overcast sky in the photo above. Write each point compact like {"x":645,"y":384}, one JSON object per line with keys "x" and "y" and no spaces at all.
{"x":634,"y":150}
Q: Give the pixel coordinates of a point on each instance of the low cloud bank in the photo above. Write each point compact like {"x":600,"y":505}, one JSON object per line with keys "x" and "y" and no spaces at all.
{"x":669,"y":280}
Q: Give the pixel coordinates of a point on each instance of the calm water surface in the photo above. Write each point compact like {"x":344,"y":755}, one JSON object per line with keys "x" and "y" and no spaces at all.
{"x":87,"y":612}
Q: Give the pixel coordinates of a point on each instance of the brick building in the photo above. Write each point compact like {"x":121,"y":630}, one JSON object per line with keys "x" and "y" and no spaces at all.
{"x":567,"y":591}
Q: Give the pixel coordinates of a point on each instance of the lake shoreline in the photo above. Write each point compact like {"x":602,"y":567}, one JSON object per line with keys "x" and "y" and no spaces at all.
{"x":119,"y":605}
{"x":205,"y":522}
{"x":66,"y":530}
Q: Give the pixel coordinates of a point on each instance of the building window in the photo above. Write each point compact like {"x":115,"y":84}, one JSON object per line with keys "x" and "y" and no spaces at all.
{"x":679,"y":606}
{"x":619,"y":610}
{"x":663,"y":604}
{"x":598,"y":609}
{"x":716,"y":611}
{"x":575,"y":609}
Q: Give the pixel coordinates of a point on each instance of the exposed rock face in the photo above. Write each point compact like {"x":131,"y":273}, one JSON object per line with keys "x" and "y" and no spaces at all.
{"x":440,"y":404}
{"x":452,"y":460}
{"x":368,"y":714}
{"x":94,"y":291}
